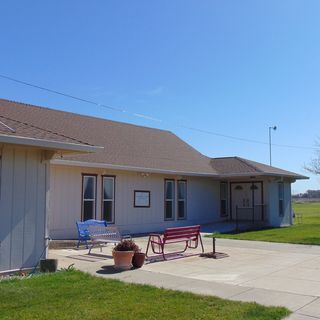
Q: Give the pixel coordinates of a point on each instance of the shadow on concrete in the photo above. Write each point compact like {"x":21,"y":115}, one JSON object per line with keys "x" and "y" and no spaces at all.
{"x":170,"y":256}
{"x":111,"y":270}
{"x":101,"y":255}
{"x":90,"y":257}
{"x":214,"y":255}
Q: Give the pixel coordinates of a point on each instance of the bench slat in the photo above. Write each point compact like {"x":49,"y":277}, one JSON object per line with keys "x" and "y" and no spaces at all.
{"x":182,"y":231}
{"x":182,"y":237}
{"x":197,"y":227}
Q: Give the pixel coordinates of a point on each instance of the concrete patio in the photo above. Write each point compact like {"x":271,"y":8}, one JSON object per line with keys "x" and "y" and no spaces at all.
{"x":267,"y":273}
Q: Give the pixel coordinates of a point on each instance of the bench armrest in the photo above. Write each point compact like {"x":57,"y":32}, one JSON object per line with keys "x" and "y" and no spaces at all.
{"x":155,"y":238}
{"x":155,"y":235}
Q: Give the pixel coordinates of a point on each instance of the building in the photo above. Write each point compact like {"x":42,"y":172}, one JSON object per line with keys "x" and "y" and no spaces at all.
{"x":140,"y":179}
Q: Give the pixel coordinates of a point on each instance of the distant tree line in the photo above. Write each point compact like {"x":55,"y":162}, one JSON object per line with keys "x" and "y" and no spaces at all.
{"x":310,"y":194}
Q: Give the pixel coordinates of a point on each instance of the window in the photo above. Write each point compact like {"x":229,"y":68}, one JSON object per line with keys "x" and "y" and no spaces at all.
{"x":89,"y":195}
{"x":182,"y":199}
{"x":223,"y":199}
{"x":169,"y":199}
{"x":281,"y":198}
{"x":108,"y":198}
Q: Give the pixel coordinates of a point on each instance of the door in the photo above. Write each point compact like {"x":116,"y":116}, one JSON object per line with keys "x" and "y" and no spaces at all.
{"x":247,"y":196}
{"x":241,"y":199}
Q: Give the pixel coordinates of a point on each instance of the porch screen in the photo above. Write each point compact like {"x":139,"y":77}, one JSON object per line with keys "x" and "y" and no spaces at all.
{"x":169,"y":199}
{"x":182,"y":199}
{"x":108,"y":199}
{"x":89,"y":195}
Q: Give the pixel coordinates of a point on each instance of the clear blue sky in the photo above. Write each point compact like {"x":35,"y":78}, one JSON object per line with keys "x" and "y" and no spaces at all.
{"x":231,"y":67}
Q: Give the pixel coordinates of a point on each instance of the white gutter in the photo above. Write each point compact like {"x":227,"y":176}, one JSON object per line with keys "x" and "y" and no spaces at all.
{"x":48,"y":144}
{"x":162,"y":171}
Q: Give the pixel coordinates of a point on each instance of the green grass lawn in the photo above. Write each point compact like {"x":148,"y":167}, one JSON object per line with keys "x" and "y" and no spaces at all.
{"x":307,"y":232}
{"x":76,"y":295}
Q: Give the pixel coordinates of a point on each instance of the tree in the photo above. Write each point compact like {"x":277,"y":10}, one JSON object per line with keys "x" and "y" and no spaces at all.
{"x":314,"y":165}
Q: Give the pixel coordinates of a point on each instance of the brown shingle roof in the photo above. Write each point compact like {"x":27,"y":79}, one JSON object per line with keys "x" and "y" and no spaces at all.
{"x":124,"y":144}
{"x":240,"y":166}
{"x":16,"y":128}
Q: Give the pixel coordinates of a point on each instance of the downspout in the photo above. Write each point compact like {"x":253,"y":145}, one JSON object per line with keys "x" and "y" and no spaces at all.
{"x":47,"y":208}
{"x":290,"y":205}
{"x":46,"y":156}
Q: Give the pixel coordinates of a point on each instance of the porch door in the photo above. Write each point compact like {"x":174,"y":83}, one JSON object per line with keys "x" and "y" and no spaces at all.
{"x":258,"y":201}
{"x":247,"y":196}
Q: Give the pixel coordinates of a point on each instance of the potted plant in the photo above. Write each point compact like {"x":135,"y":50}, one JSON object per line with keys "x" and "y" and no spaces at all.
{"x":123,"y":253}
{"x":138,"y":259}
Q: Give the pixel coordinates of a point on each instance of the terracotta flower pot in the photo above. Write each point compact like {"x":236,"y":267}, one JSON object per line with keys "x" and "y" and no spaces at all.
{"x":122,"y":259}
{"x":138,"y":259}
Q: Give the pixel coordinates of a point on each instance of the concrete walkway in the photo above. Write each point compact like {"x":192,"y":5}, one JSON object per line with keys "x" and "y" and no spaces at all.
{"x":271,"y":274}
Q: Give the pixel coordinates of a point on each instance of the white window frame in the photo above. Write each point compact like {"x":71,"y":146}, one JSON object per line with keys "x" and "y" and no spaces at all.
{"x":172,"y":200}
{"x":184,"y":200}
{"x":94,"y":200}
{"x":113,"y":178}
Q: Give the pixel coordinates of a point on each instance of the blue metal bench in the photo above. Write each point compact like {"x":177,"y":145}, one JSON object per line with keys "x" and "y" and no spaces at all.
{"x":83,"y":229}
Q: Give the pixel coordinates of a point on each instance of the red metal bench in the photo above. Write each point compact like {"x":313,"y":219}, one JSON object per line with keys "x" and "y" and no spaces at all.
{"x":190,"y":235}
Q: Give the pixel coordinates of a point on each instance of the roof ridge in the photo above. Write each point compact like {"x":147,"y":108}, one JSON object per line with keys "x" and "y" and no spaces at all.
{"x":245,"y":161}
{"x":217,"y":158}
{"x":83,"y":115}
{"x":49,"y":131}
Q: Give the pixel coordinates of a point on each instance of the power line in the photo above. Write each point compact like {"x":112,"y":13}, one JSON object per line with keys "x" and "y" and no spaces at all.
{"x":147,"y":117}
{"x":7,"y":127}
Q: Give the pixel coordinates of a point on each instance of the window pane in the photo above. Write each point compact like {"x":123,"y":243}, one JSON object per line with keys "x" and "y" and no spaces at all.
{"x":281,"y":210}
{"x":88,"y":187}
{"x":108,"y":188}
{"x":181,"y":209}
{"x":281,"y":191}
{"x":223,"y":207}
{"x":223,"y":198}
{"x":169,"y":190}
{"x":181,"y":190}
{"x":107,"y":213}
{"x":169,"y":210}
{"x":223,"y":191}
{"x":88,"y":210}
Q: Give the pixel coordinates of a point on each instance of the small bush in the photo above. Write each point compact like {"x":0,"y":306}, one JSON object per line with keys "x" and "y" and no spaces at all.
{"x":127,"y":245}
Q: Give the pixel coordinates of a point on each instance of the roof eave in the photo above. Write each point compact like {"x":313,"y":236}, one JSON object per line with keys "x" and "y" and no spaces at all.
{"x":259,"y":174}
{"x":164,"y":171}
{"x":65,"y":147}
{"x":130,"y":168}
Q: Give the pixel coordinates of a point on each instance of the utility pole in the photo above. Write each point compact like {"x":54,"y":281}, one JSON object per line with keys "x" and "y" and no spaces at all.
{"x":270,"y":145}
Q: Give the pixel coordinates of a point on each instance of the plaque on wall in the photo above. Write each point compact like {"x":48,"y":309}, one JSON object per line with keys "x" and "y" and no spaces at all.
{"x":141,"y":199}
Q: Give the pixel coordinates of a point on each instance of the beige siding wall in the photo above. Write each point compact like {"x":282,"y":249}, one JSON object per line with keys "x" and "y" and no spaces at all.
{"x":274,"y":218}
{"x":65,"y":203}
{"x":22,"y":208}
